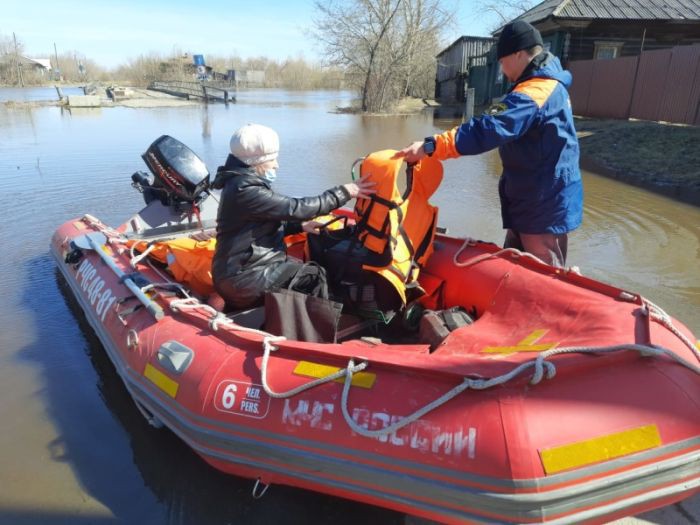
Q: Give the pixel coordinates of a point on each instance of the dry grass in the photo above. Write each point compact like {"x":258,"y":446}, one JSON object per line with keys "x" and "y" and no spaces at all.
{"x":654,"y":154}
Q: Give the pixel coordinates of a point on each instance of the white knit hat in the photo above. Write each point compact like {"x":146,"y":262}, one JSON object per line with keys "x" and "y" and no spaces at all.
{"x":254,"y":144}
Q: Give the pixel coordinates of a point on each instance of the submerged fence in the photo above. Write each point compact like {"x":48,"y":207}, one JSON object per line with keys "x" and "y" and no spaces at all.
{"x":661,"y":85}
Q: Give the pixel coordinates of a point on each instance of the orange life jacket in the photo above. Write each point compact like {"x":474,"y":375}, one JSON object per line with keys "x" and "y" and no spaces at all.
{"x":399,"y":227}
{"x":188,"y":260}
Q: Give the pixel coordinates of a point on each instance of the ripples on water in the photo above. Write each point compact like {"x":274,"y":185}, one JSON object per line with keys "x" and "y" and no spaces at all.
{"x":77,"y":450}
{"x":643,"y":242}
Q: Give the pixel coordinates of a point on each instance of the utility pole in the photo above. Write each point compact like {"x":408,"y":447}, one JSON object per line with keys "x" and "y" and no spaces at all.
{"x":17,"y":64}
{"x":58,"y":68}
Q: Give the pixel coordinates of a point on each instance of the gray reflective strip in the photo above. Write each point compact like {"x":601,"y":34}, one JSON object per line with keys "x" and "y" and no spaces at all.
{"x":512,"y":506}
{"x":616,"y":506}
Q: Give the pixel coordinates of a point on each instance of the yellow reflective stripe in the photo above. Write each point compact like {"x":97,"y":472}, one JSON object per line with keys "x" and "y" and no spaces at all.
{"x":526,"y":345}
{"x":308,"y":369}
{"x":80,"y":226}
{"x":162,"y":381}
{"x":599,"y":449}
{"x":697,"y":344}
{"x":533,"y":337}
{"x":518,"y":348}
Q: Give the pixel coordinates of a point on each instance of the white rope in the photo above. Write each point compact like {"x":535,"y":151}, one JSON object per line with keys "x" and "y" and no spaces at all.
{"x":135,"y":259}
{"x":514,"y":253}
{"x":216,"y":318}
{"x":657,"y":314}
{"x":269,"y":347}
{"x":467,"y":383}
{"x":540,"y":365}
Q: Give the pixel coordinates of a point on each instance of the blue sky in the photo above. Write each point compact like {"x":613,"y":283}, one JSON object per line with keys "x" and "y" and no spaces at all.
{"x":110,"y":32}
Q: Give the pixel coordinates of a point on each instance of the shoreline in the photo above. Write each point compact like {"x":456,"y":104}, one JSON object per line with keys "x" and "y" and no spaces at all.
{"x":671,"y":190}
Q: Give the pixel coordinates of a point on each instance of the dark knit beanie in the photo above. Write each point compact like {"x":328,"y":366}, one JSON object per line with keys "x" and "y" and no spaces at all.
{"x":516,"y":36}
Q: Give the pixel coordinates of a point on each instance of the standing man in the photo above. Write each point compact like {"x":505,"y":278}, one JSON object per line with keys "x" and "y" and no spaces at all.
{"x":540,"y":188}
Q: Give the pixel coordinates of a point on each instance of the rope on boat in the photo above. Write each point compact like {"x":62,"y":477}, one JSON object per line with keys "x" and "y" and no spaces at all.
{"x":656,"y":313}
{"x":515,"y":254}
{"x":216,"y":318}
{"x":541,"y":367}
{"x":467,"y":383}
{"x":137,"y":258}
{"x":269,"y":347}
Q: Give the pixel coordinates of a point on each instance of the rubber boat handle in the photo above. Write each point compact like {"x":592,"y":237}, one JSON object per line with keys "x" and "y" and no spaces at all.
{"x":150,"y":305}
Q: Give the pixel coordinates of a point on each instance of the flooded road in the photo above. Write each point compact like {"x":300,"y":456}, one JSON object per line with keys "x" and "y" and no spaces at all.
{"x":73,"y":448}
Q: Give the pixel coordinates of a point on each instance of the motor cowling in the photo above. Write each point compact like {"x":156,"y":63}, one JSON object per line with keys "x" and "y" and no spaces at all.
{"x":179,"y":175}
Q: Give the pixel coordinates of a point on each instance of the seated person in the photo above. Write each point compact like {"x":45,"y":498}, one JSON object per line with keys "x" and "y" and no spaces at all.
{"x":250,"y":255}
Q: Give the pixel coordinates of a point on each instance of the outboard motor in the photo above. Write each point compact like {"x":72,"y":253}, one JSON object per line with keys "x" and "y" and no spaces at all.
{"x":180,"y":177}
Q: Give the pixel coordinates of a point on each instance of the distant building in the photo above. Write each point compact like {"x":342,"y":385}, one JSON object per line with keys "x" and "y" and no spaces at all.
{"x":462,"y":65}
{"x":38,"y":65}
{"x":246,"y":78}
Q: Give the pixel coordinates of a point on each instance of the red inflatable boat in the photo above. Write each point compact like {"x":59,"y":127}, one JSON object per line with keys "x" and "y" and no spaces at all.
{"x":567,"y":400}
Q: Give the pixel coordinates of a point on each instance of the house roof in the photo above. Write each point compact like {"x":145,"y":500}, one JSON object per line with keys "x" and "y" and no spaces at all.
{"x":44,"y":62}
{"x":9,"y":58}
{"x":466,"y":38}
{"x":614,"y":10}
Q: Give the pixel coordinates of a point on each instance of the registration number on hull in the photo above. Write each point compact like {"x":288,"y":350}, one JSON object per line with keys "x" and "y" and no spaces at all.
{"x":100,"y":297}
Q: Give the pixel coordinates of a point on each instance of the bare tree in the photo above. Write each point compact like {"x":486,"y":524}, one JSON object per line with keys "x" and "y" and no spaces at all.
{"x":381,"y":43}
{"x":504,"y":10}
{"x":11,"y":50}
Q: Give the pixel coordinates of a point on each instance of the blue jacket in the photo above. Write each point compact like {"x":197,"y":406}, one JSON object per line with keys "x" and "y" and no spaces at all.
{"x":540,"y":188}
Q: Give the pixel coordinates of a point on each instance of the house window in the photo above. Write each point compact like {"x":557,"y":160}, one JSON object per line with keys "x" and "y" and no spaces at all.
{"x":605,"y":50}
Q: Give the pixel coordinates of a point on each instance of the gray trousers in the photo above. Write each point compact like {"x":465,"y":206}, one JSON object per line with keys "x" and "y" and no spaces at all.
{"x":550,"y":247}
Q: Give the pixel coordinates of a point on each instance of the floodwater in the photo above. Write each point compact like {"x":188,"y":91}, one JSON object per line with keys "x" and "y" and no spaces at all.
{"x":73,"y":448}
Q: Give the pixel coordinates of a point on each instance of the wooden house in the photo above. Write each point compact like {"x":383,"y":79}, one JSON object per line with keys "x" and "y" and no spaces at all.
{"x":457,"y":68}
{"x":598,"y":29}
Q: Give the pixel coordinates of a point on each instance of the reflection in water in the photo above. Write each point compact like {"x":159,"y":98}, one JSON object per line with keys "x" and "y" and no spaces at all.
{"x":77,"y":449}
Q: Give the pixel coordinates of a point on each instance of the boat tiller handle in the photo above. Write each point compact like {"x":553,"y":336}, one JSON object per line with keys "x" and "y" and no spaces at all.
{"x":150,"y":305}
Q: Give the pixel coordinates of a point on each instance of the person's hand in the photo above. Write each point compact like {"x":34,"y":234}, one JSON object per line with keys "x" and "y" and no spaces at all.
{"x":412,"y":153}
{"x":361,"y":189}
{"x":313,"y":227}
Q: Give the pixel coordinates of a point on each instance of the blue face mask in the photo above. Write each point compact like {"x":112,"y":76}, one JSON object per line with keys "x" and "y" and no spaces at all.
{"x":270,"y":175}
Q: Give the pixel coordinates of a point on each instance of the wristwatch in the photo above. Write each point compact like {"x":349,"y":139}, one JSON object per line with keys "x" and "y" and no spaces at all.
{"x":429,"y":146}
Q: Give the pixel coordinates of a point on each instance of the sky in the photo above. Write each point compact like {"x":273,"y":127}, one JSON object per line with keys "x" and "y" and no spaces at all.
{"x":111,"y":32}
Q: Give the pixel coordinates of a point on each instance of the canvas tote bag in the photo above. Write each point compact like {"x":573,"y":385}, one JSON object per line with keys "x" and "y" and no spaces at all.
{"x":302,"y":311}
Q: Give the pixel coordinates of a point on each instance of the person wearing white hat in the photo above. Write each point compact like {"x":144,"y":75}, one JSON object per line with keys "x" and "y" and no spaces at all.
{"x":250,"y":255}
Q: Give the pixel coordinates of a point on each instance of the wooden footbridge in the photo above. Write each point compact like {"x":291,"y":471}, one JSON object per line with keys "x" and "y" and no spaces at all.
{"x":207,"y":91}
